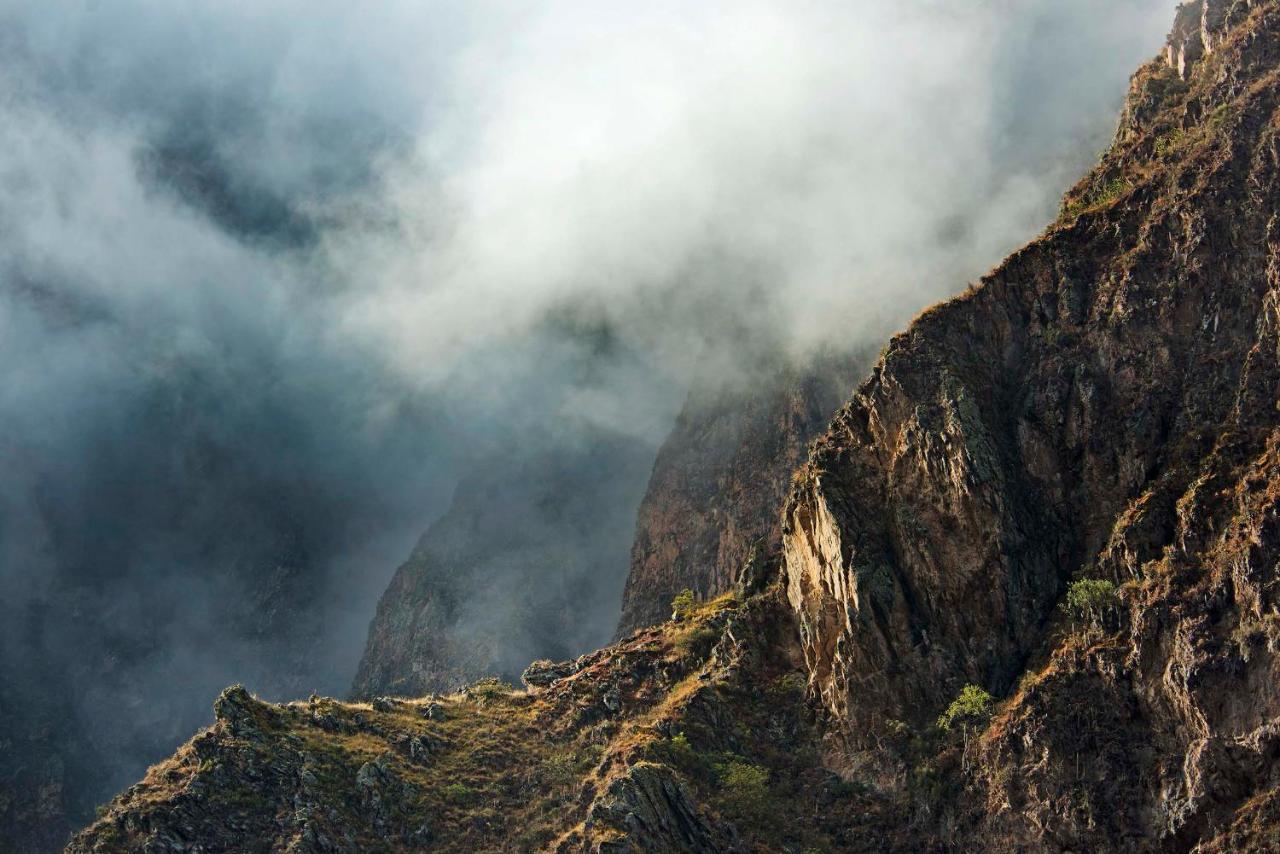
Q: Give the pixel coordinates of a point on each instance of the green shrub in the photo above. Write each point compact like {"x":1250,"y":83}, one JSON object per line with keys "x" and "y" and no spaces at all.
{"x":1169,"y":142}
{"x":1091,"y":600}
{"x":897,"y":729}
{"x":1111,"y":191}
{"x":683,"y":605}
{"x":973,"y":705}
{"x":680,"y":750}
{"x":788,"y":687}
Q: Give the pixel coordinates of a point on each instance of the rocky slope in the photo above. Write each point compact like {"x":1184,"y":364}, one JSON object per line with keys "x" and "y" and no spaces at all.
{"x":720,"y":477}
{"x":627,"y":748}
{"x":1026,"y":595}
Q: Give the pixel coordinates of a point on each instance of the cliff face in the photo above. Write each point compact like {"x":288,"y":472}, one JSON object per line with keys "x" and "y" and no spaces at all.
{"x":517,"y":569}
{"x":720,"y":478}
{"x":1103,"y":406}
{"x":1056,"y":502}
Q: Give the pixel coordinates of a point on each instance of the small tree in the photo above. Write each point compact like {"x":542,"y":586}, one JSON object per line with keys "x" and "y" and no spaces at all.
{"x":682,"y":606}
{"x":1091,"y":600}
{"x":973,"y":706}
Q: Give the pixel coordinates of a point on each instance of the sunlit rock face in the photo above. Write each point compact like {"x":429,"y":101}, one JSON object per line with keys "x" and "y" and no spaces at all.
{"x":1102,"y":405}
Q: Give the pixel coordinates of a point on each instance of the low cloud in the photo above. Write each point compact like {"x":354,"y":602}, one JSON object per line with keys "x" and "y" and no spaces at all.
{"x":275,"y":277}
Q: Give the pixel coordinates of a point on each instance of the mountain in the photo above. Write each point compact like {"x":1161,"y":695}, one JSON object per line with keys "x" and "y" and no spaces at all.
{"x":1025,"y":596}
{"x":521,"y":566}
{"x":720,"y":477}
{"x":517,"y":569}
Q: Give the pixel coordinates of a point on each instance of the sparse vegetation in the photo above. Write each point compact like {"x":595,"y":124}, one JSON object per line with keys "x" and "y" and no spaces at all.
{"x":683,"y":605}
{"x":897,"y":729}
{"x":789,"y":687}
{"x":490,"y":690}
{"x":458,"y":793}
{"x":1167,"y":143}
{"x":968,"y":710}
{"x":745,"y":787}
{"x":696,"y":642}
{"x":1111,"y":191}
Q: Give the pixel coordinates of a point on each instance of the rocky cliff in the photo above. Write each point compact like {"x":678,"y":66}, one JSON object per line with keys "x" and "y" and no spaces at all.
{"x":1025,"y":598}
{"x":1103,"y":406}
{"x":720,"y":477}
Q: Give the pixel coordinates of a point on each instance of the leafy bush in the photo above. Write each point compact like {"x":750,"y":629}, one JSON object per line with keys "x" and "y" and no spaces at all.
{"x":1169,"y":142}
{"x":972,"y":706}
{"x":560,"y":774}
{"x":683,"y":605}
{"x":680,"y":752}
{"x":897,"y":730}
{"x":1091,"y":600}
{"x":1111,"y":191}
{"x":745,"y":787}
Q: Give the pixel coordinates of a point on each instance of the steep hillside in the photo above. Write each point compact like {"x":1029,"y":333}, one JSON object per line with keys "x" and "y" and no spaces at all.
{"x":720,"y":478}
{"x":1025,"y":599}
{"x":660,"y":742}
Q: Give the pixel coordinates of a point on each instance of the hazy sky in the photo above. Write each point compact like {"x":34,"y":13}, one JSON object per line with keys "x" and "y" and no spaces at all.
{"x":274,"y":275}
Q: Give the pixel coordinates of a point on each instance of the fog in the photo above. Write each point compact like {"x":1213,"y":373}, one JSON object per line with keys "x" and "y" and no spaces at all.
{"x":277,"y":277}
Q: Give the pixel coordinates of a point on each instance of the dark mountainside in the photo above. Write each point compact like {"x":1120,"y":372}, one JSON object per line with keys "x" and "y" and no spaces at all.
{"x":515,"y":571}
{"x":510,"y":573}
{"x":720,"y":477}
{"x":1055,"y":502}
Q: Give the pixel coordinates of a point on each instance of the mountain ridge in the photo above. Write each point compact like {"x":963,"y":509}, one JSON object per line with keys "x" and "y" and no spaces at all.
{"x":1025,"y":597}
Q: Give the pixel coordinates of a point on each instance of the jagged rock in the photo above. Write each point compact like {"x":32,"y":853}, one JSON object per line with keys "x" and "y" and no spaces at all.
{"x":239,"y":711}
{"x":384,"y":704}
{"x":654,"y":812}
{"x":542,"y":673}
{"x":612,"y":700}
{"x":1100,"y":405}
{"x":720,"y":479}
{"x":434,"y":712}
